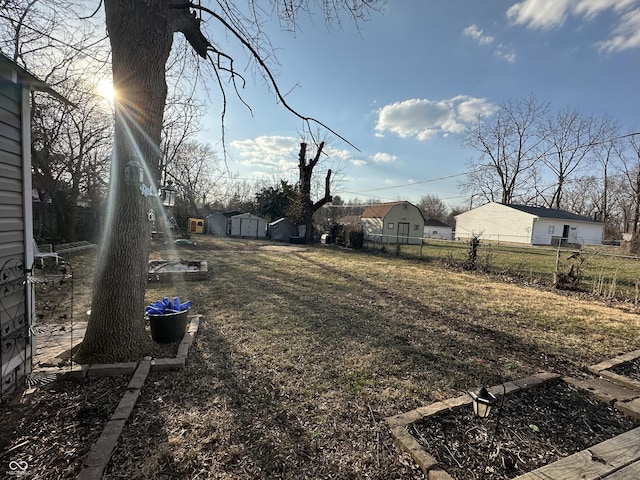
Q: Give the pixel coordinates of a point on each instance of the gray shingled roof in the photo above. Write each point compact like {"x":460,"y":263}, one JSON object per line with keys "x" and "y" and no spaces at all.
{"x":432,"y":222}
{"x":552,"y":213}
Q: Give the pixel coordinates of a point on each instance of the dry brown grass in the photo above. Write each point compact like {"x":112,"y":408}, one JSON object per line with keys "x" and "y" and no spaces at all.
{"x":302,"y":354}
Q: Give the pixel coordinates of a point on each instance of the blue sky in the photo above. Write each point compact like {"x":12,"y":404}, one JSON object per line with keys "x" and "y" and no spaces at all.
{"x":403,"y":86}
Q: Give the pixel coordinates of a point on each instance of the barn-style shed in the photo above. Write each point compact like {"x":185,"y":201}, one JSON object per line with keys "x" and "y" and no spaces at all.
{"x":496,"y":222}
{"x":16,"y":224}
{"x":393,"y":222}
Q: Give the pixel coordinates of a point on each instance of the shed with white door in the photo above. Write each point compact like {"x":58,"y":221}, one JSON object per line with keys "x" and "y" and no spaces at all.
{"x":247,"y":225}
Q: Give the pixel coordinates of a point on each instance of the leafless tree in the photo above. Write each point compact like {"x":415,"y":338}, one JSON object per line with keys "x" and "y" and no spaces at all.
{"x":70,"y":145}
{"x":433,"y":207}
{"x":630,"y":157}
{"x":195,"y":171}
{"x":307,"y":206}
{"x":141,"y":37}
{"x":607,"y":156}
{"x":509,"y":145}
{"x":569,"y":139}
{"x":70,"y":141}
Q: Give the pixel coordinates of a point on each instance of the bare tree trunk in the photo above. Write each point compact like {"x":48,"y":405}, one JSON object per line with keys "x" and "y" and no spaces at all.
{"x":308,"y":207}
{"x":141,"y":41}
{"x":636,"y":207}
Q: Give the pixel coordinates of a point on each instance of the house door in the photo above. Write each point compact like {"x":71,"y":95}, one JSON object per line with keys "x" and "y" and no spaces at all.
{"x":565,"y":234}
{"x":403,"y":232}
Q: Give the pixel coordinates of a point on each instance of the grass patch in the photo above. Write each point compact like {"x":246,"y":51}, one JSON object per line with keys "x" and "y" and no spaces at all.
{"x":605,"y":272}
{"x":302,"y":354}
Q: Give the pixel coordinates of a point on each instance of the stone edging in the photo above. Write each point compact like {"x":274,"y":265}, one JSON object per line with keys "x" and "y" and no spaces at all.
{"x":618,"y":391}
{"x":428,"y":464}
{"x":94,"y":465}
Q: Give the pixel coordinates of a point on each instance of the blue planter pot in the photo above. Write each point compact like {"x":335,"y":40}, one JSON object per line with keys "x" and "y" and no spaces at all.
{"x":168,"y":327}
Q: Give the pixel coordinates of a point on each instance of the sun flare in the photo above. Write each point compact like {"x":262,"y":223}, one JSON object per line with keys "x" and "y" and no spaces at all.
{"x":105,"y":90}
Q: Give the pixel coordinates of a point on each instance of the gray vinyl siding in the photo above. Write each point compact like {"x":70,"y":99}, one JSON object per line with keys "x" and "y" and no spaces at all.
{"x":14,"y":324}
{"x":11,"y":181}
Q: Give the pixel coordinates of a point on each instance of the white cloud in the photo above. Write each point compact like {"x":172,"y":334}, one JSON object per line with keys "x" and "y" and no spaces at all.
{"x":591,"y":8}
{"x":359,"y":163}
{"x":540,"y":13}
{"x":270,"y":155}
{"x":425,"y":119}
{"x":625,"y":35}
{"x":547,"y":14}
{"x":337,"y":154}
{"x":382,"y":157}
{"x":269,"y":152}
{"x":506,"y":53}
{"x":476,"y":33}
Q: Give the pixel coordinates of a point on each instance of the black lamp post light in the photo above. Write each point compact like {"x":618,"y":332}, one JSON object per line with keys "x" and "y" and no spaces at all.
{"x":168,"y":194}
{"x":483,"y":402}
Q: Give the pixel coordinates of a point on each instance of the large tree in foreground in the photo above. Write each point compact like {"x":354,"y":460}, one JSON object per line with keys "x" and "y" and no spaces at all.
{"x":141,"y":36}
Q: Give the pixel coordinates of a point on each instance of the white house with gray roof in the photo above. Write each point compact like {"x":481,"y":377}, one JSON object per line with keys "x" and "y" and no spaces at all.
{"x":496,"y":222}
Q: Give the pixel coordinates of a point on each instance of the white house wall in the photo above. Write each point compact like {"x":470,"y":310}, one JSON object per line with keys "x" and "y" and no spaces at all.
{"x":441,"y":233}
{"x":584,"y":233}
{"x":494,"y":222}
{"x":590,"y":233}
{"x":497,"y":223}
{"x":16,"y":234}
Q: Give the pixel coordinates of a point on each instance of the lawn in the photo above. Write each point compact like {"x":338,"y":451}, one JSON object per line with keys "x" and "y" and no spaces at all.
{"x":605,"y":271}
{"x":303,"y":353}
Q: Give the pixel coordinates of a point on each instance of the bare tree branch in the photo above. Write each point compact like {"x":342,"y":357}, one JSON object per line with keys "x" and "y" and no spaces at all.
{"x":258,"y":58}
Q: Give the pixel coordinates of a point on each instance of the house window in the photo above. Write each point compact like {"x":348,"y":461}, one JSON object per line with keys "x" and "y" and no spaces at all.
{"x":552,"y":229}
{"x":434,"y":232}
{"x":416,"y":227}
{"x":405,"y":206}
{"x":390,"y":225}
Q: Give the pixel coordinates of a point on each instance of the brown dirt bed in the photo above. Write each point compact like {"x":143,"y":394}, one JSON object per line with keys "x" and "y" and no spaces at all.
{"x":54,"y":431}
{"x":537,"y":427}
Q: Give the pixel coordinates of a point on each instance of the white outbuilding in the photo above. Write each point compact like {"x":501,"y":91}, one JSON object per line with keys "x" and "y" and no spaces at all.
{"x":247,"y":225}
{"x":437,"y":229}
{"x":496,"y":222}
{"x":392,"y":222}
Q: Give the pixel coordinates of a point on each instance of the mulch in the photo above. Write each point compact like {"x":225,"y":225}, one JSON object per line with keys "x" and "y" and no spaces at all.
{"x":629,"y":369}
{"x":51,"y":433}
{"x":536,"y":427}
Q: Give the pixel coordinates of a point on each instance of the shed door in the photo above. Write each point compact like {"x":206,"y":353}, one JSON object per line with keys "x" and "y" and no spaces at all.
{"x":248,"y":227}
{"x":403,"y":232}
